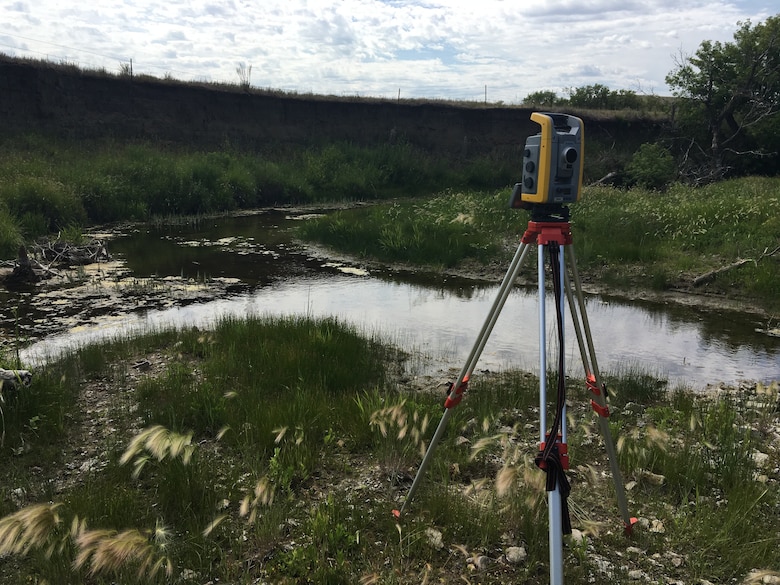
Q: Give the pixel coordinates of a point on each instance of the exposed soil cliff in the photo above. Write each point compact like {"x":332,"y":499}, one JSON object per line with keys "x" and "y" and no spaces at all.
{"x":70,"y":103}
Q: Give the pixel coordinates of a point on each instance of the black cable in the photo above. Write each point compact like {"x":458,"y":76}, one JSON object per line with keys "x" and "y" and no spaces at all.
{"x":550,"y":459}
{"x":555,"y":267}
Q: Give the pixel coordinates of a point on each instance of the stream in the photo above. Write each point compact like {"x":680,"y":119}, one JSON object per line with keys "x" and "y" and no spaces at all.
{"x":193,"y":274}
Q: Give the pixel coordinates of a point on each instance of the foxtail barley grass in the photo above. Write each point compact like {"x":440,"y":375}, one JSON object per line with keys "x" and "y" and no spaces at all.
{"x":161,"y":444}
{"x":108,"y":552}
{"x":404,"y":431}
{"x":32,"y":527}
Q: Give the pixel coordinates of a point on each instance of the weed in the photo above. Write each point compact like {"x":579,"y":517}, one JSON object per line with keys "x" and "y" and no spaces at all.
{"x":110,"y":552}
{"x":404,"y":429}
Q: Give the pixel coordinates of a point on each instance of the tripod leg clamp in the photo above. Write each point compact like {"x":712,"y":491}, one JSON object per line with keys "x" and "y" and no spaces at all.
{"x":561,"y":450}
{"x":455,"y":394}
{"x":590,"y":382}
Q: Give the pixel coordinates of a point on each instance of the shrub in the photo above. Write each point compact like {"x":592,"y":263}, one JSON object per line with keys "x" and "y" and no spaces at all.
{"x":43,"y":205}
{"x":651,"y":167}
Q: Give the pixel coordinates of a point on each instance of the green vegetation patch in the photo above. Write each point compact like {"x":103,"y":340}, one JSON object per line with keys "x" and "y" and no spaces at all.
{"x":439,"y":231}
{"x":50,"y":186}
{"x":624,"y":238}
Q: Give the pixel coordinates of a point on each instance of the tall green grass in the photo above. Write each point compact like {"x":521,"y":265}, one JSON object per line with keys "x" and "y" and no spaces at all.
{"x":441,"y":231}
{"x":48,"y":186}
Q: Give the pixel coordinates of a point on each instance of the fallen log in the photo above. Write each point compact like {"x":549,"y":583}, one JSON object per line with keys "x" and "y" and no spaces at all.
{"x":712,"y":274}
{"x":605,"y":179}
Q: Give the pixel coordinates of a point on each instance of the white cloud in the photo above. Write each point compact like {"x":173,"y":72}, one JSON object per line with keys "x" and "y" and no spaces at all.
{"x":425,"y":48}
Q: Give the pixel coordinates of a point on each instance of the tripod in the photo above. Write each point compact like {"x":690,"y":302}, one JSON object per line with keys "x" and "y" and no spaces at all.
{"x":550,"y":230}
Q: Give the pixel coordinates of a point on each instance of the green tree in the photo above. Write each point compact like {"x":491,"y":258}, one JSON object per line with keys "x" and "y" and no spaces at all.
{"x":729,"y":92}
{"x":541,"y":98}
{"x":600,"y":97}
{"x":589,"y":96}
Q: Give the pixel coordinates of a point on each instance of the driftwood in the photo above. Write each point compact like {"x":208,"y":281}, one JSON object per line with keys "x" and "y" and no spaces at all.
{"x":59,"y":253}
{"x":712,"y":274}
{"x":24,"y":269}
{"x":44,"y":256}
{"x":605,"y":179}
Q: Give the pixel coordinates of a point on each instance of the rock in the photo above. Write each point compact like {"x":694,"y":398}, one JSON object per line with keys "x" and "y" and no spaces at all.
{"x":142,"y":365}
{"x":434,"y":538}
{"x":634,"y":550}
{"x":654,"y":478}
{"x":658,"y":527}
{"x":19,"y":495}
{"x":15,"y":378}
{"x":760,"y":458}
{"x":515,"y":555}
{"x":478,"y":563}
{"x":577,"y":537}
{"x":633,"y":408}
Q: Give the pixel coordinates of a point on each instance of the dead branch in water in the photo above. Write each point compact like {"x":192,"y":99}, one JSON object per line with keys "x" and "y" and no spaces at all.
{"x":43,"y":256}
{"x":59,"y":253}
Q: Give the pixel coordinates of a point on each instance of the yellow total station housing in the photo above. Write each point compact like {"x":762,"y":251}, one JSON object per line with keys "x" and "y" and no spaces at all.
{"x":552,"y":162}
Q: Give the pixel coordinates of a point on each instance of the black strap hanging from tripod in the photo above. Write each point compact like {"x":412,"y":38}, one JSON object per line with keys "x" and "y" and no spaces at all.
{"x":550,"y":457}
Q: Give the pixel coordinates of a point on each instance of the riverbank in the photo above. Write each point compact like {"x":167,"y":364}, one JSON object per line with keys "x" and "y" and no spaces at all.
{"x":718,"y":245}
{"x":295,"y":459}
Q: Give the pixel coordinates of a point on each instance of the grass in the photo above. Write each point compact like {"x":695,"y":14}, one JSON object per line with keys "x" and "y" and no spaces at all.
{"x":274,"y":449}
{"x":410,"y":231}
{"x":623,"y":239}
{"x":48,"y":186}
{"x":687,"y":231}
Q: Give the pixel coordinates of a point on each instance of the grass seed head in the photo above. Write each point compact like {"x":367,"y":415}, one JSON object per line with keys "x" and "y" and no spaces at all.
{"x":28,"y":528}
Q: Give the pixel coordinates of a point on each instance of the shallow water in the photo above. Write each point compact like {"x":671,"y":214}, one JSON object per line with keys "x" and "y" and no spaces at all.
{"x":437,"y":317}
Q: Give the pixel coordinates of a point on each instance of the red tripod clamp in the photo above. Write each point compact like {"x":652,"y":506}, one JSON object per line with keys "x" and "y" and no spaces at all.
{"x":561,"y":447}
{"x":592,"y":385}
{"x":455,"y":394}
{"x":544,"y":233}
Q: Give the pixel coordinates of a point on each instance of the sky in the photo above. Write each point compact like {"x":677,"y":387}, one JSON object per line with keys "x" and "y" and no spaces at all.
{"x":476,"y":50}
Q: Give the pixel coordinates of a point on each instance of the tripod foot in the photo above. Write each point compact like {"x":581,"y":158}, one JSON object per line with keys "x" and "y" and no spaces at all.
{"x":628,"y":529}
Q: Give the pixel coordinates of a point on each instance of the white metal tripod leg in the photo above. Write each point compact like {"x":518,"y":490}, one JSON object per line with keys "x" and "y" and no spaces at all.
{"x":504,"y":289}
{"x":581,"y":323}
{"x":555,"y":508}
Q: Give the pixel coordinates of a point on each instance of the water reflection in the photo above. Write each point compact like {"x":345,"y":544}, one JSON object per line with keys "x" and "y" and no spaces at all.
{"x":425,"y":313}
